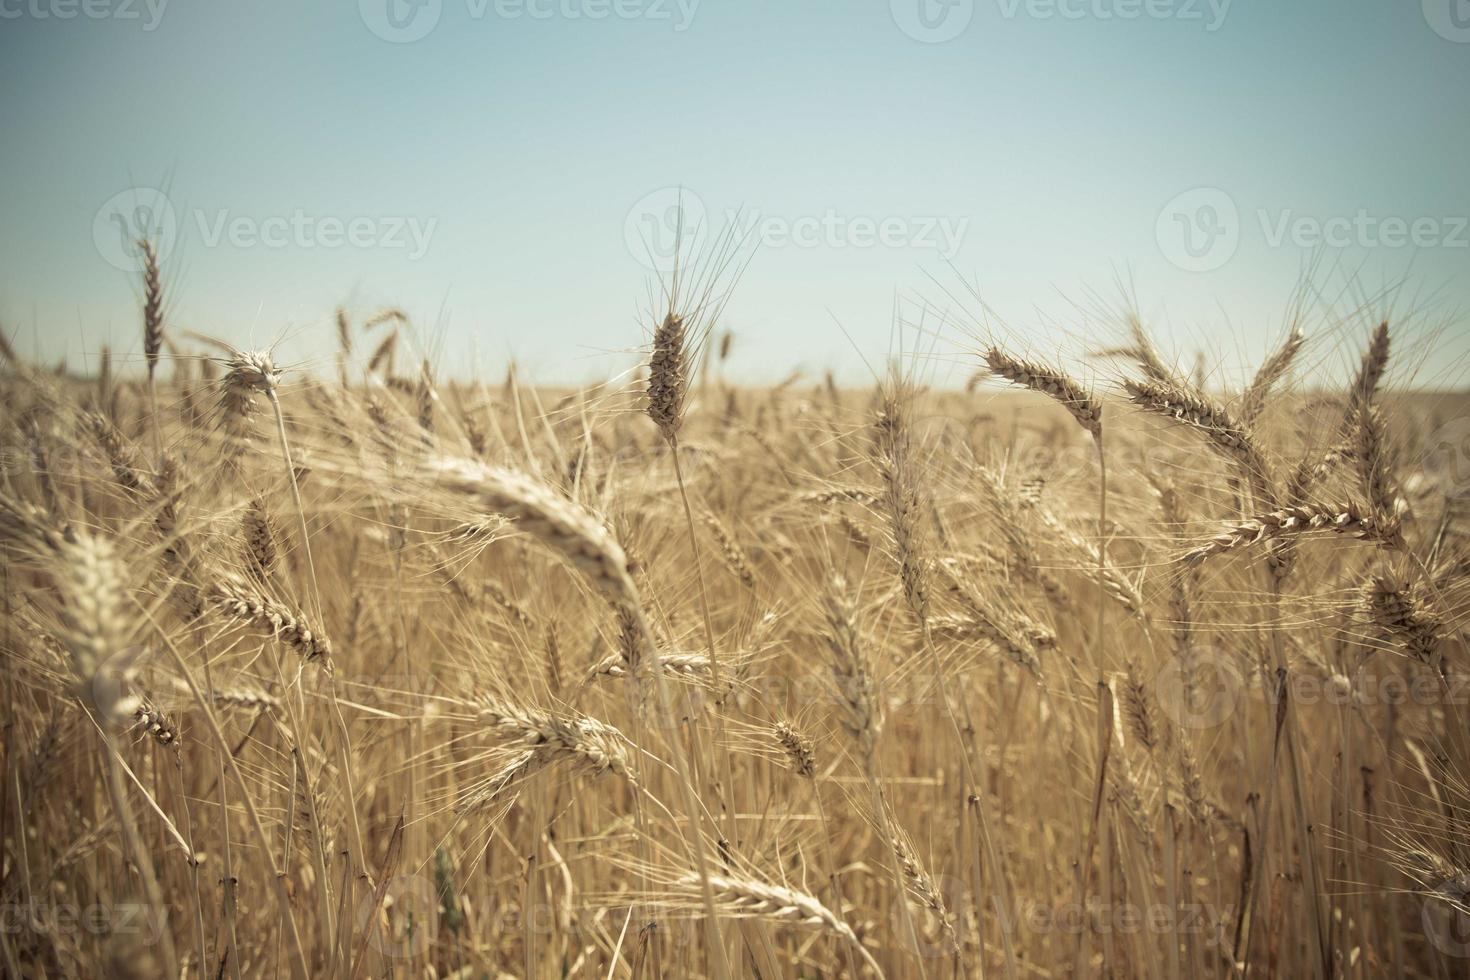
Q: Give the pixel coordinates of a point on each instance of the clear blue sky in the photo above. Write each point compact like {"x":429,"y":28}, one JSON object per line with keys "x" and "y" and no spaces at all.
{"x":519,"y":137}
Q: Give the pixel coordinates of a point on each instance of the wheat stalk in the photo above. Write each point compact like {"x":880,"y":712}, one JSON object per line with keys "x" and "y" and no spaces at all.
{"x":751,"y":897}
{"x":1230,"y":438}
{"x":1049,"y":381}
{"x":1287,"y":523}
{"x":241,"y":601}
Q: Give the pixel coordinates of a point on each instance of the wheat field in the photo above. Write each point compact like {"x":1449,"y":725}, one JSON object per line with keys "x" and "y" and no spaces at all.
{"x":345,"y":671}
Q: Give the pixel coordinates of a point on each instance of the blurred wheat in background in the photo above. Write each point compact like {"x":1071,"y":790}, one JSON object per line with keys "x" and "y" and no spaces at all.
{"x":364,"y":673}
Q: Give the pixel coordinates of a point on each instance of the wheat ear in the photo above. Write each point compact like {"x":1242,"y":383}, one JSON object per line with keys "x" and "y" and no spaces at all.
{"x":1289,"y":522}
{"x":572,"y":531}
{"x":1072,"y":396}
{"x":750,"y":897}
{"x":1229,"y":437}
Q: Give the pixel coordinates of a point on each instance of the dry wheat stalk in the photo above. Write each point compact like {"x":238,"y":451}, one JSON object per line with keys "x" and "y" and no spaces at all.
{"x":1128,"y":795}
{"x":1016,"y":645}
{"x":478,"y":530}
{"x":1143,"y":351}
{"x":31,"y":528}
{"x":553,"y":660}
{"x":835,"y":495}
{"x":1442,"y":879}
{"x":7,"y":350}
{"x":1370,"y":373}
{"x":730,"y":550}
{"x":1009,"y":515}
{"x":426,"y":397}
{"x":247,"y":373}
{"x":585,"y":744}
{"x":684,"y":665}
{"x":921,"y":884}
{"x":798,"y":749}
{"x":178,"y":554}
{"x":1375,"y":464}
{"x":851,"y":675}
{"x":569,"y":529}
{"x":344,"y":332}
{"x":1114,"y":582}
{"x":40,"y":765}
{"x":1350,"y":437}
{"x":740,"y":897}
{"x":1272,"y":370}
{"x":564,"y":526}
{"x":152,"y":306}
{"x":40,"y":459}
{"x":94,"y":626}
{"x":120,"y":455}
{"x":382,"y":355}
{"x":242,"y":601}
{"x":1072,"y":396}
{"x":667,"y":378}
{"x":1138,"y":708}
{"x":389,"y":314}
{"x":514,"y":609}
{"x":156,"y":724}
{"x":1342,"y":518}
{"x":1232,"y":439}
{"x":903,"y":503}
{"x":1396,"y":608}
{"x":498,"y":784}
{"x":247,"y":699}
{"x":259,"y":535}
{"x":1191,"y":783}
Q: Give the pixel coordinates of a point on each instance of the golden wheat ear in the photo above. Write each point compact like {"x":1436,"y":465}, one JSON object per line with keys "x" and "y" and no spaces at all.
{"x":1085,"y":409}
{"x":667,"y":381}
{"x":152,"y":306}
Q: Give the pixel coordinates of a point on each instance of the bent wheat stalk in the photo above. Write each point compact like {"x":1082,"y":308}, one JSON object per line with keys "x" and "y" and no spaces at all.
{"x":751,"y":897}
{"x":1289,"y":522}
{"x":571,"y":531}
